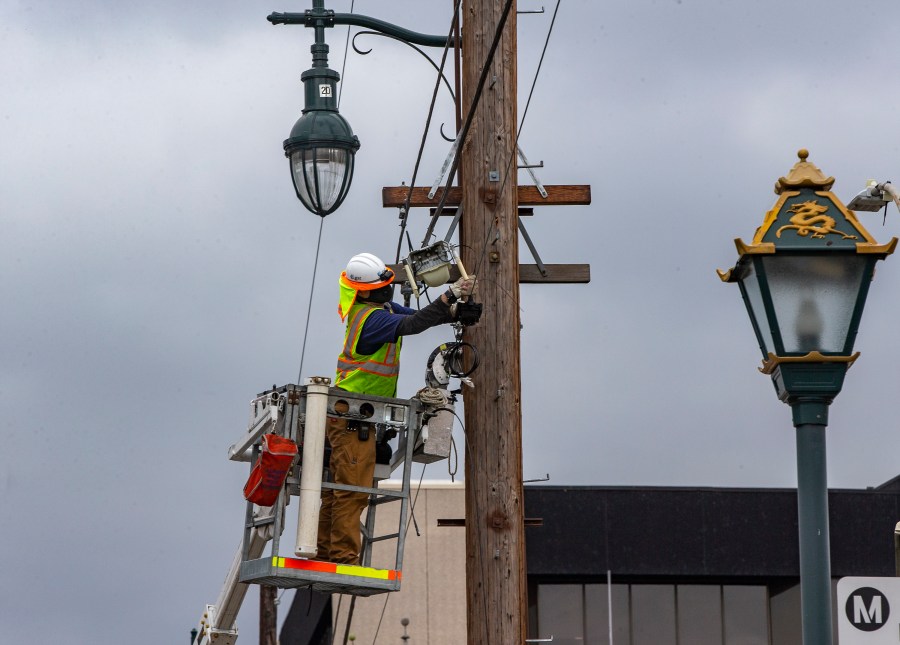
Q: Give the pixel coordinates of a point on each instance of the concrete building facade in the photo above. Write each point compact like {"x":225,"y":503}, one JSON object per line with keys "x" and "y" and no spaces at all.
{"x":688,"y":566}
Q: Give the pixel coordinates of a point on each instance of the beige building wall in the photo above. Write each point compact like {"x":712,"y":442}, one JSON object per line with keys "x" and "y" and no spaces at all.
{"x":433,"y":592}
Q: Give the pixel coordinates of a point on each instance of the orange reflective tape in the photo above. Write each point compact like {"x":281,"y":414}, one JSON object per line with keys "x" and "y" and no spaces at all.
{"x":304,"y":565}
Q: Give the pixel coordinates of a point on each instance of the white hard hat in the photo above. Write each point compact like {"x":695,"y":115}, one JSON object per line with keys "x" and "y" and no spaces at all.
{"x":366,"y":271}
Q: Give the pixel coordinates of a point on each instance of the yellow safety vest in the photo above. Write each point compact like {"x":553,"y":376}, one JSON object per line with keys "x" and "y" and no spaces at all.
{"x":367,"y":373}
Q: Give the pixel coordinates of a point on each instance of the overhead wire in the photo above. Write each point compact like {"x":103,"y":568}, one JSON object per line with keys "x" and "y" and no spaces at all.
{"x":315,"y":267}
{"x":381,"y":618}
{"x":337,"y":616}
{"x":349,"y":619}
{"x":312,"y":290}
{"x":476,"y":512}
{"x":463,"y":133}
{"x":404,"y":211}
{"x":468,"y":450}
{"x":513,"y":156}
{"x":344,"y":64}
{"x":387,"y":596}
{"x":322,"y":219}
{"x":403,"y":227}
{"x":413,"y":516}
{"x":537,"y":73}
{"x":461,"y":138}
{"x":451,"y":470}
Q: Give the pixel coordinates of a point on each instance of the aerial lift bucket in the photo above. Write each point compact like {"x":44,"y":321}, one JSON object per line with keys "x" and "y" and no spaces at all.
{"x":293,"y":413}
{"x":299,"y":413}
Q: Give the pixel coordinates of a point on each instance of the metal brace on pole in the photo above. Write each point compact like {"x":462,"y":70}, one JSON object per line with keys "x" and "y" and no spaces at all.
{"x":534,"y":253}
{"x":437,"y":182}
{"x":454,"y":223}
{"x":537,"y":182}
{"x":527,"y":166}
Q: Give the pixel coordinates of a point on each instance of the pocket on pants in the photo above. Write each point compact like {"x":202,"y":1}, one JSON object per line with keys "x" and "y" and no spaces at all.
{"x":345,"y":461}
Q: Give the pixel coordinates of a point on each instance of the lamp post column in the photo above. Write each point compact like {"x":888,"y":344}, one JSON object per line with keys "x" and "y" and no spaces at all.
{"x":811,"y":421}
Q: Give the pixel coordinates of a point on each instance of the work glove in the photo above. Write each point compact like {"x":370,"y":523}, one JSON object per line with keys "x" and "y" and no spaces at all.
{"x":464,"y":287}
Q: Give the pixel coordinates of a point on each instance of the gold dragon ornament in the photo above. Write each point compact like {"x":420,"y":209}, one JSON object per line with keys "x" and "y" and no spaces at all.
{"x":809,"y":217}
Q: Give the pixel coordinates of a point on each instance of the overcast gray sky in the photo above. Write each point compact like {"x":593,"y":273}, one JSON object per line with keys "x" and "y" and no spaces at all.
{"x":155,"y":266}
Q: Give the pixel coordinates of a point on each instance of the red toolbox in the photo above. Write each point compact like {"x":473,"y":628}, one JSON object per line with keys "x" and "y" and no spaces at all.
{"x":271,"y":469}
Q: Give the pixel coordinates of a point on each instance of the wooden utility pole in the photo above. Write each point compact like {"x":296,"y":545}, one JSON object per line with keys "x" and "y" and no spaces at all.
{"x":495,"y":529}
{"x":268,"y":615}
{"x":497,"y":599}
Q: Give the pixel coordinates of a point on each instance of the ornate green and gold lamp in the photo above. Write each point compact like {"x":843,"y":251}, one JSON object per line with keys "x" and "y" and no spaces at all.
{"x":804,"y":279}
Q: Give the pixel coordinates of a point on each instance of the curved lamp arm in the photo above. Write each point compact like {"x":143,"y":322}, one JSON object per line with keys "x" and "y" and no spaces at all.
{"x":408,"y":44}
{"x":330,"y":19}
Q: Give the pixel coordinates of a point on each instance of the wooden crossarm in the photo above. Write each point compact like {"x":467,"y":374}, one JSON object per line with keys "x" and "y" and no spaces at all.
{"x":528,"y":274}
{"x":561,"y":195}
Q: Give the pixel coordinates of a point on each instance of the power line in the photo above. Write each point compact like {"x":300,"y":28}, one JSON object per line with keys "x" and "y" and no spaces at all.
{"x":404,"y":213}
{"x":537,"y":73}
{"x":512,"y":159}
{"x":344,"y":64}
{"x":461,"y":136}
{"x":312,"y":289}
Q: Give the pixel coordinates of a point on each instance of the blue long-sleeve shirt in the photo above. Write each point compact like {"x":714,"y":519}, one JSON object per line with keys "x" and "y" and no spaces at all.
{"x":389,"y":324}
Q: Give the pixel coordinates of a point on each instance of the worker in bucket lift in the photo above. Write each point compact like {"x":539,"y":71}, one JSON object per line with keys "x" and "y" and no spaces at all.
{"x":369,"y":364}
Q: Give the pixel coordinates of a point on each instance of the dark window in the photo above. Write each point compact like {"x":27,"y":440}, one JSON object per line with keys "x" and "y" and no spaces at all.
{"x":654,"y":614}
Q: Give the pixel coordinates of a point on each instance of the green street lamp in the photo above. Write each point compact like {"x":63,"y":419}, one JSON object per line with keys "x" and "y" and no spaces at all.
{"x":322,"y":147}
{"x":804,"y":280}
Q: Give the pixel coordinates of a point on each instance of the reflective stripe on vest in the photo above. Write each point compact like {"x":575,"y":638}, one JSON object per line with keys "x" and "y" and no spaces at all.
{"x":367,"y":373}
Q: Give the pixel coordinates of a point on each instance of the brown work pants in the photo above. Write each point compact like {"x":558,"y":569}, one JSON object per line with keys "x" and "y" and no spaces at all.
{"x":353,"y":463}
